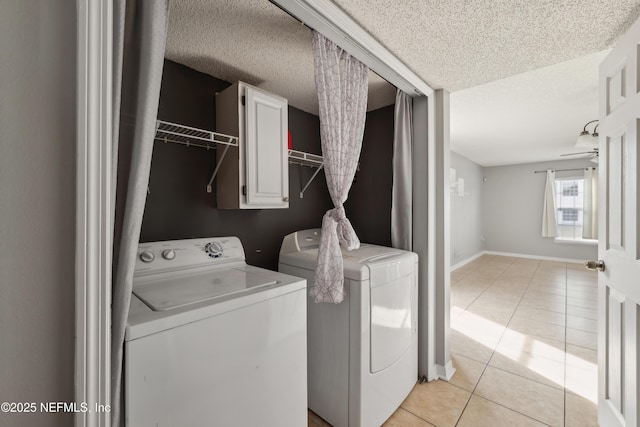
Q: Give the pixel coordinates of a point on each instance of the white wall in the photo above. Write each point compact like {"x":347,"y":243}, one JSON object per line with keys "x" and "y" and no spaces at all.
{"x":512,"y":210}
{"x":37,"y":206}
{"x":466,"y":212}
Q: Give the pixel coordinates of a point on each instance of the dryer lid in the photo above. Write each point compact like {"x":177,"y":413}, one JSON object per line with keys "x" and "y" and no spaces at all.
{"x":368,"y":254}
{"x":190,"y":289}
{"x":358,"y":263}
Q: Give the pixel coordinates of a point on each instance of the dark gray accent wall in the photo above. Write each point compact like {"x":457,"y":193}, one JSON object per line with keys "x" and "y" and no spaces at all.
{"x":38,"y":209}
{"x":369,"y":204}
{"x":178,"y":206}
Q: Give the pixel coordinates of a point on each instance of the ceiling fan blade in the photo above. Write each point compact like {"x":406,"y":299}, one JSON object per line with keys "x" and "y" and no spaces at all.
{"x":576,"y":154}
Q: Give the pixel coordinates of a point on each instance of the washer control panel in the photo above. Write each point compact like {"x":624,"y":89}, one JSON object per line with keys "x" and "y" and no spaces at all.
{"x":214,"y":249}
{"x":182,"y":254}
{"x":147,"y":256}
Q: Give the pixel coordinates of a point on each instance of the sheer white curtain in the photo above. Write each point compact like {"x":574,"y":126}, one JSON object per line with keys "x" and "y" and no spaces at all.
{"x":590,"y":204}
{"x":140,"y":30}
{"x":549,"y":226}
{"x":401,"y":199}
{"x":342,"y":85}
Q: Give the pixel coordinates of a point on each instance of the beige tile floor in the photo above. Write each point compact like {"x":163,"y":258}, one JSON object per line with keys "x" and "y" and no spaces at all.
{"x":523,"y":342}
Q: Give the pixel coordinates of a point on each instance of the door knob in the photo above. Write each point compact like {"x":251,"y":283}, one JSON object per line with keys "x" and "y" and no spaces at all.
{"x":594,"y":265}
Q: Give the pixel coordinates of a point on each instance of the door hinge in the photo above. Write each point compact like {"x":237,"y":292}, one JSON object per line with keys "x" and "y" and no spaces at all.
{"x":243,"y":100}
{"x":244,"y":190}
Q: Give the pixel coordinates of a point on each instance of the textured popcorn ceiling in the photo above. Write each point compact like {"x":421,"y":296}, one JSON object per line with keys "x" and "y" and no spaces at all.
{"x":509,"y":102}
{"x":529,"y":117}
{"x":523,"y":73}
{"x":456,"y":44}
{"x":255,"y":42}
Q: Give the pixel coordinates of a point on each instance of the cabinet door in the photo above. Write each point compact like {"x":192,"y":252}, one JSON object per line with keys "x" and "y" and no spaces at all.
{"x":266,"y":150}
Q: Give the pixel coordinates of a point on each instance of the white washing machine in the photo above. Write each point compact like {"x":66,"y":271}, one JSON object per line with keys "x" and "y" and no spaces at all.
{"x":212,"y":341}
{"x":363,"y":352}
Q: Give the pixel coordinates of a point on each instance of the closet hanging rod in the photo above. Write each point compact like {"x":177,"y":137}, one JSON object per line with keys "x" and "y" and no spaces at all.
{"x":565,"y":170}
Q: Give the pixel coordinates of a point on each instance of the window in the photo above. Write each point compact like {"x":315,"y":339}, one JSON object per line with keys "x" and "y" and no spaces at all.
{"x":569,"y":215}
{"x":569,"y":203}
{"x":570,"y":188}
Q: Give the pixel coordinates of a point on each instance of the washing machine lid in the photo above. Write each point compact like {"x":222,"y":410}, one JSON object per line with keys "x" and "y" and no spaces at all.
{"x":170,"y":293}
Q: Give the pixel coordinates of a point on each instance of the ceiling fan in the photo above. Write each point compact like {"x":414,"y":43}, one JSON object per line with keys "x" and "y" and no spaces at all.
{"x":587,"y":141}
{"x":591,"y":155}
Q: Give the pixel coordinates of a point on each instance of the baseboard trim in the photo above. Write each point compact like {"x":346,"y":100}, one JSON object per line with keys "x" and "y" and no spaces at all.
{"x":545,"y":258}
{"x":445,"y":372}
{"x":467,"y":261}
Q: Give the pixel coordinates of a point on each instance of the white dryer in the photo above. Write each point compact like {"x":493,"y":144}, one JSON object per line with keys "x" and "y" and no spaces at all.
{"x":212,"y":341}
{"x":362,"y":353}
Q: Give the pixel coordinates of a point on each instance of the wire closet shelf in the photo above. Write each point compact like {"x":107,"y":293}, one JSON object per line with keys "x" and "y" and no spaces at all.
{"x":306,"y":159}
{"x":190,"y":136}
{"x":193,"y":137}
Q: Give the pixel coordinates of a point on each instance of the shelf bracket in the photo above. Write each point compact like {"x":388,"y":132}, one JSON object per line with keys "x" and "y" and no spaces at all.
{"x":310,"y":180}
{"x":215,"y":171}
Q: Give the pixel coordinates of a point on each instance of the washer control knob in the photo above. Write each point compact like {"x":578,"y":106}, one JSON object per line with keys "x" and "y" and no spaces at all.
{"x":168,"y":254}
{"x":214,"y":249}
{"x":147,"y":256}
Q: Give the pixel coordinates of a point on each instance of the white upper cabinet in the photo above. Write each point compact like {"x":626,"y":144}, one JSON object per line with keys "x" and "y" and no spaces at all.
{"x":255,"y":175}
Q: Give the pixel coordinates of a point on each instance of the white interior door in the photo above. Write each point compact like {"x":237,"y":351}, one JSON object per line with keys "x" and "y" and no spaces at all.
{"x":619,"y":245}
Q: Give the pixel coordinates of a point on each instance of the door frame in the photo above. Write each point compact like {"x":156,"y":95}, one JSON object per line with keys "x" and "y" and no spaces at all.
{"x":429,"y":216}
{"x":94,"y":207}
{"x":94,"y":204}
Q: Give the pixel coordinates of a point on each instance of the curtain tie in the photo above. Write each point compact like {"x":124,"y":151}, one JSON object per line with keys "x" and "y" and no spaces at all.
{"x":344,"y":230}
{"x":337,"y":232}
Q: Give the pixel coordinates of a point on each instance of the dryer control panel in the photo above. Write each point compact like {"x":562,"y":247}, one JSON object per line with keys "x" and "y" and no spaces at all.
{"x":301,"y":241}
{"x":170,"y":255}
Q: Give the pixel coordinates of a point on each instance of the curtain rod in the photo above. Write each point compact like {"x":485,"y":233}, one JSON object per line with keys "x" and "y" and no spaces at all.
{"x":563,"y":170}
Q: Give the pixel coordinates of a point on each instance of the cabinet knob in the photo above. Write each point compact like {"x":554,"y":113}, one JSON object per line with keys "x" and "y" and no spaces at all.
{"x":285,"y":199}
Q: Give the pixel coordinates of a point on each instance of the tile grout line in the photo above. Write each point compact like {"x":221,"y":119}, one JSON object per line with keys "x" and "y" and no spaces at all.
{"x":573,"y":315}
{"x":564,"y":386}
{"x":566,"y":327}
{"x":494,"y":350}
{"x":510,"y":409}
{"x":468,"y":305}
{"x":488,"y":286}
{"x":565,"y":354}
{"x":487,"y":364}
{"x":415,"y":415}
